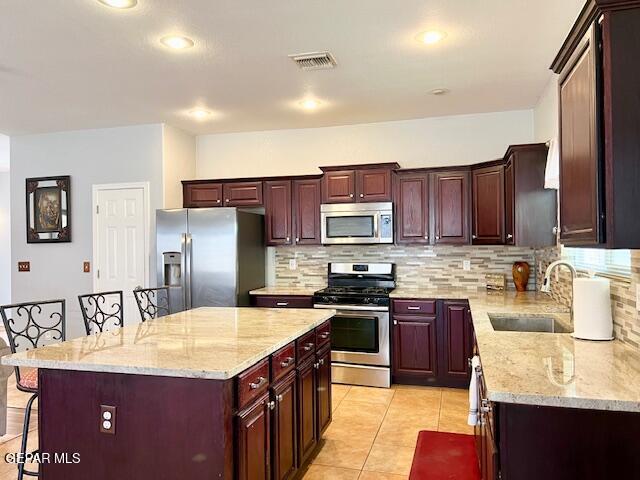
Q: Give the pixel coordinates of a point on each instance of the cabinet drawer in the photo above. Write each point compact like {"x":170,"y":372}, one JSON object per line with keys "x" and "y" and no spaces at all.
{"x":323,"y":334}
{"x":266,"y":301}
{"x":283,"y":361}
{"x":415,"y":307}
{"x":253,"y":382}
{"x":306,"y":345}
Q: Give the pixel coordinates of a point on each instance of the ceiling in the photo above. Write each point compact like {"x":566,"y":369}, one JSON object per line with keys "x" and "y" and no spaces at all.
{"x":76,"y":64}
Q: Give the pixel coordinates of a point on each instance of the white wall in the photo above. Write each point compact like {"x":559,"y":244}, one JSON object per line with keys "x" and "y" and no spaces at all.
{"x":440,"y":141}
{"x":114,"y":155}
{"x":545,"y":113}
{"x":178,"y":163}
{"x":5,"y":222}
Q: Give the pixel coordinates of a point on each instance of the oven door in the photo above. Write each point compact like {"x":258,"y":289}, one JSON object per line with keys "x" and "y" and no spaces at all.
{"x":359,"y":335}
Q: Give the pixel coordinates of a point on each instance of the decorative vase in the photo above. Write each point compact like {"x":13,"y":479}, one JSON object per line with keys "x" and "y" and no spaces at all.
{"x":521,"y":271}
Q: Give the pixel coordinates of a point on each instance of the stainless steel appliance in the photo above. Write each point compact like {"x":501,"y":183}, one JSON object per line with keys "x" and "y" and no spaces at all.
{"x":356,"y":223}
{"x":210,"y":256}
{"x":360,"y":338}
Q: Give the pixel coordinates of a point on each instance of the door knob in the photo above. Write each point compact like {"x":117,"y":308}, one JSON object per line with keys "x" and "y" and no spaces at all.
{"x":362,"y":195}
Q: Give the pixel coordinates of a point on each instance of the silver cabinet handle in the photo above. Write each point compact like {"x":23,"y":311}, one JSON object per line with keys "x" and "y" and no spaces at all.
{"x":218,"y":201}
{"x":279,"y":398}
{"x":288,"y":239}
{"x":437,"y":237}
{"x":474,"y":236}
{"x":413,"y":308}
{"x":297,"y":239}
{"x":509,"y":236}
{"x":362,"y":195}
{"x":554,"y":230}
{"x":308,"y":346}
{"x":316,"y":365}
{"x":286,"y":362}
{"x":271,"y":405}
{"x":485,"y":406}
{"x":351,"y":195}
{"x":321,"y":361}
{"x":324,"y":335}
{"x":255,"y":385}
{"x":282,"y":304}
{"x":395,"y":322}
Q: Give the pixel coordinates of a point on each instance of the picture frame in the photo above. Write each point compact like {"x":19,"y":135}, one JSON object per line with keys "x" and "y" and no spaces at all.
{"x":48,"y":201}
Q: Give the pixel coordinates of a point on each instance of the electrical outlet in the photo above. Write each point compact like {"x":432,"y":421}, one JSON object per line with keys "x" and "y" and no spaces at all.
{"x":293,"y":264}
{"x":86,"y":267}
{"x":466,"y":265}
{"x":108,"y":419}
{"x":638,"y":297}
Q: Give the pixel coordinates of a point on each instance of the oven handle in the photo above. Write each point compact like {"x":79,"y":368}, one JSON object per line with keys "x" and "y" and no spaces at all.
{"x":361,"y":308}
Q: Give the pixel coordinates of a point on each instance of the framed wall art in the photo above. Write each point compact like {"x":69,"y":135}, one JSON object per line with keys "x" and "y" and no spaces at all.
{"x":48,"y":209}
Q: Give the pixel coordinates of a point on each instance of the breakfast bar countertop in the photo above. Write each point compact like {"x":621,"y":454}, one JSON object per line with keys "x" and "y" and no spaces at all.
{"x":210,"y":343}
{"x":546,"y":369}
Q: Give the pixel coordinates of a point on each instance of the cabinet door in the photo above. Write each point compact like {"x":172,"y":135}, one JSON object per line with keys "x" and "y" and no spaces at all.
{"x":339,"y":186}
{"x":306,"y":211}
{"x":278,"y":215}
{"x":412,"y":208}
{"x":457,"y":345}
{"x":509,"y":202}
{"x":284,"y":428}
{"x":324,"y":389}
{"x":490,"y":454}
{"x":415,"y":351}
{"x":243,"y":194}
{"x":253,"y":441}
{"x":488,"y":205}
{"x":196,"y":195}
{"x":451,"y":198}
{"x":307,"y":433}
{"x":580,"y":207}
{"x":373,"y":185}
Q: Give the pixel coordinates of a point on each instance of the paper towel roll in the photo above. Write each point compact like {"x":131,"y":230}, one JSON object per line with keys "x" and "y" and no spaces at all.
{"x":592,"y":309}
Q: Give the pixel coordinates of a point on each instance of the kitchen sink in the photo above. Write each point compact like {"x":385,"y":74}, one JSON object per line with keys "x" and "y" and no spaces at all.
{"x":530,"y":323}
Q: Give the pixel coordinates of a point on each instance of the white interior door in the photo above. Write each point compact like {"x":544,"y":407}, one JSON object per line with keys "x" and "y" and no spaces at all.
{"x":121,"y":244}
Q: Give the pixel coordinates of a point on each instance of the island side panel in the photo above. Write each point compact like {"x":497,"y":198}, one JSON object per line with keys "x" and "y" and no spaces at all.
{"x":162,"y":425}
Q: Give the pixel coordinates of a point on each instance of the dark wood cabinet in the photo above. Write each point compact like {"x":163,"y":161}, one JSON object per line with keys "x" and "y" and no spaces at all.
{"x":290,"y":301}
{"x":323,"y":388}
{"x":451,"y":207}
{"x":306,"y":211}
{"x":284,"y":428}
{"x":457,"y":340}
{"x":195,"y":195}
{"x":278,"y":212}
{"x":488,"y":205}
{"x":307,"y":398}
{"x":243,"y":194}
{"x":339,"y":186}
{"x":412,"y":208}
{"x":373,"y":185}
{"x":600,"y":126}
{"x":415,"y":354}
{"x":509,"y":201}
{"x":253,"y":441}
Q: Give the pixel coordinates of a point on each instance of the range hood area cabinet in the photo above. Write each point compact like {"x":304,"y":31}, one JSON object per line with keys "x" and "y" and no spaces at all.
{"x":358,"y":183}
{"x":599,"y":105}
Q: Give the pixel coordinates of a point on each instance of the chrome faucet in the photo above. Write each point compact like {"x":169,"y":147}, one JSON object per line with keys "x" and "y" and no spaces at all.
{"x":546,"y":283}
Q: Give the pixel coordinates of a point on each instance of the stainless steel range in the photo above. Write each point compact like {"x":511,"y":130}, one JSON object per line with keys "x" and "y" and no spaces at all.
{"x":360,"y":339}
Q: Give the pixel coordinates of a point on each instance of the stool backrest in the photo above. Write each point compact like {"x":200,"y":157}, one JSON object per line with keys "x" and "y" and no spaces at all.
{"x":152,"y":302}
{"x":102,"y":311}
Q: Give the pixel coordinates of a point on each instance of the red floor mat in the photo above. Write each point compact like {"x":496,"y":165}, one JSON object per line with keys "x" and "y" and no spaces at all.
{"x":444,"y":456}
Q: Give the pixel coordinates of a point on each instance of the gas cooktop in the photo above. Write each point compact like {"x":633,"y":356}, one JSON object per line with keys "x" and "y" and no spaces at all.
{"x":368,"y":291}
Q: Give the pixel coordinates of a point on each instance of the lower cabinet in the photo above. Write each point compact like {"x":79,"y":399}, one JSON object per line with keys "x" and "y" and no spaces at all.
{"x":253,"y":438}
{"x":323,"y":388}
{"x":283,"y":428}
{"x":307,"y":404}
{"x":484,"y":433}
{"x":432,"y":345}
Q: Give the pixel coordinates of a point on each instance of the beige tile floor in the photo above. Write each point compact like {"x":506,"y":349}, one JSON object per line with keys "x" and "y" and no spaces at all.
{"x":372,"y":436}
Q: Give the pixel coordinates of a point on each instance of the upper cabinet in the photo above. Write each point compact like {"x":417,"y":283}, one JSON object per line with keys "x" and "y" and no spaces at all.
{"x":530,"y":209}
{"x":600,"y":126}
{"x":451,"y":207}
{"x":208,"y":194}
{"x":412,"y":207}
{"x":488,"y":205}
{"x":306,"y":211}
{"x":278,"y":214}
{"x":198,"y":193}
{"x":364,"y":183}
{"x":243,"y":194}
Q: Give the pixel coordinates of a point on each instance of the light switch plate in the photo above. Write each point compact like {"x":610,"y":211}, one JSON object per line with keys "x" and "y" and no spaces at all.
{"x":466,"y":265}
{"x":24,"y":266}
{"x":638,"y":297}
{"x":86,"y":267}
{"x":293,"y":264}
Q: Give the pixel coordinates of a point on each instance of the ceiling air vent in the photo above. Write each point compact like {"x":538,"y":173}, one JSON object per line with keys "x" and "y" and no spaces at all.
{"x":314,"y":60}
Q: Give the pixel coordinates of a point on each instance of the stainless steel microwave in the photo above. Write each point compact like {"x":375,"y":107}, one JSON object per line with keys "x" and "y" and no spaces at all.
{"x":356,"y":223}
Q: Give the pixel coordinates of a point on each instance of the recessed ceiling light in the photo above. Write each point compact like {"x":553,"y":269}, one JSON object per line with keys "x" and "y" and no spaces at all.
{"x":176,"y":42}
{"x":122,"y":4}
{"x":310,"y":104}
{"x":431,"y":36}
{"x":200,"y":113}
{"x":439,"y":91}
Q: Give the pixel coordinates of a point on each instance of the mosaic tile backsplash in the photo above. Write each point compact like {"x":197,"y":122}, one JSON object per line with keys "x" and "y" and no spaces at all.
{"x":417,"y":266}
{"x":626,"y":318}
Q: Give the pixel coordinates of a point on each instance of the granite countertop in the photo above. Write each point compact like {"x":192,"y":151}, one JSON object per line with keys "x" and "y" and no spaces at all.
{"x":211,"y":343}
{"x":286,"y":291}
{"x":551,"y":369}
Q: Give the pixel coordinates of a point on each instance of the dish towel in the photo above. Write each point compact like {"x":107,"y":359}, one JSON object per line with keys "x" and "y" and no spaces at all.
{"x":552,"y":172}
{"x":473,"y":392}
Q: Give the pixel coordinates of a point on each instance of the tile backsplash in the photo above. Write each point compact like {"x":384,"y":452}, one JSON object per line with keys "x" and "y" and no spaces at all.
{"x":417,"y":266}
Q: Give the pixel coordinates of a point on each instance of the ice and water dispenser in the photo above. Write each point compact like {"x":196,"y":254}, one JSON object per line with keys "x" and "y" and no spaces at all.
{"x":172,"y":269}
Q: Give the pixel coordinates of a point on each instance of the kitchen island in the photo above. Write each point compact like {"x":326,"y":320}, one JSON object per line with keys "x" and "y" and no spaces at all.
{"x":209,"y":393}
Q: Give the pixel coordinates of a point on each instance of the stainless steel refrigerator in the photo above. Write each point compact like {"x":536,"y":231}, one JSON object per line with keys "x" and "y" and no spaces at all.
{"x":210,"y":256}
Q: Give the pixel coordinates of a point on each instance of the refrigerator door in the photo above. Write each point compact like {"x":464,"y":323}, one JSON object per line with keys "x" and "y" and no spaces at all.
{"x":213,"y":255}
{"x":171,"y":235}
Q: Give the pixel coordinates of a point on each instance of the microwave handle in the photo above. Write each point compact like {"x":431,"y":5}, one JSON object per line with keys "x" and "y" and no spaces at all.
{"x":376,"y":226}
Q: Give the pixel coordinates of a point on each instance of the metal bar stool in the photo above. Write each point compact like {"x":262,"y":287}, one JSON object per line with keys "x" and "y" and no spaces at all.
{"x":101,"y":311}
{"x":31,"y":325}
{"x":152,"y":302}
